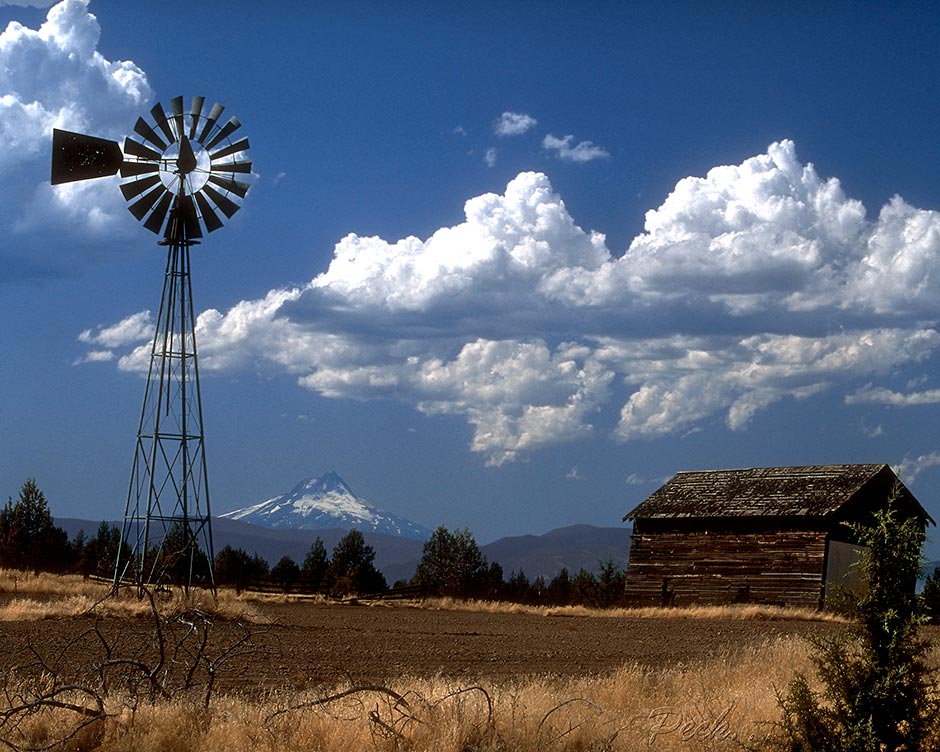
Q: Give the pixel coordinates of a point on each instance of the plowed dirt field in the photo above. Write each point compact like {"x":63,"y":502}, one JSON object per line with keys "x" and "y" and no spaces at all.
{"x":309,"y":644}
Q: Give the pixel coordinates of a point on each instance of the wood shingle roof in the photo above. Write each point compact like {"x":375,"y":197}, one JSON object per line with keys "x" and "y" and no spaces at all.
{"x":815,"y":491}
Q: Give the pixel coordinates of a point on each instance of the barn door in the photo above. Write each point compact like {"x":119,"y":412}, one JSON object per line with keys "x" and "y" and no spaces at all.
{"x":842,"y":568}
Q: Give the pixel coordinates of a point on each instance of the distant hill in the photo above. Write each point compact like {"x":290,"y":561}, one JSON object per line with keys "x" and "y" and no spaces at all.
{"x":396,"y":557}
{"x":572,"y":547}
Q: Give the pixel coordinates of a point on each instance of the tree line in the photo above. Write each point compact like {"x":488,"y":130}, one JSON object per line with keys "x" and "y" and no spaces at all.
{"x":451,"y":563}
{"x":350,"y":571}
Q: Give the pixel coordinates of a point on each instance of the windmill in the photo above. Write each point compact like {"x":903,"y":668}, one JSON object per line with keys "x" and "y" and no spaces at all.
{"x":179,"y":174}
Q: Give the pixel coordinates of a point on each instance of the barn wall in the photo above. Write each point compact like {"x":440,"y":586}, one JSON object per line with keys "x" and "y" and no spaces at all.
{"x":780,"y":567}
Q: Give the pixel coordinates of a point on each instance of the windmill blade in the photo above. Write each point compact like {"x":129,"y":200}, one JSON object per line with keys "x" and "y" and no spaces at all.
{"x":229,"y":128}
{"x":185,"y":211}
{"x":137,"y":149}
{"x":238,"y":146}
{"x":232,"y":167}
{"x":209,"y":216}
{"x":155,"y":220}
{"x":214,"y":114}
{"x":136,"y":187}
{"x":232,"y":186}
{"x":176,"y":106}
{"x":224,"y":203}
{"x":140,"y":207}
{"x":132,"y":169}
{"x":159,"y":117}
{"x":194,"y":115}
{"x":76,"y":156}
{"x":142,"y":128}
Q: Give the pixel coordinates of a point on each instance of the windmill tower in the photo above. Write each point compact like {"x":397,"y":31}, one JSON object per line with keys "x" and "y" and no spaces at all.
{"x":179,"y":174}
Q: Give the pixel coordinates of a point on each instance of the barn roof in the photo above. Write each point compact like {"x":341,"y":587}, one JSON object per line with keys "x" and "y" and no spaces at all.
{"x":807,"y":491}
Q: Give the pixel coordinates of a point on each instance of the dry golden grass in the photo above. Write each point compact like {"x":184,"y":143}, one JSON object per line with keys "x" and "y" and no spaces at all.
{"x":725,"y":703}
{"x":46,"y":596}
{"x":730,"y":611}
{"x":16,"y":582}
{"x":126,"y":605}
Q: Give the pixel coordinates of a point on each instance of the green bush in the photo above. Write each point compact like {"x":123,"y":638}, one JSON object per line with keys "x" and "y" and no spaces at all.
{"x":879,"y":693}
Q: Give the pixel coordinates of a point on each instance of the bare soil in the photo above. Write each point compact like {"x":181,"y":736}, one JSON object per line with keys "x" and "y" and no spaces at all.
{"x":381,"y":642}
{"x":311,"y":644}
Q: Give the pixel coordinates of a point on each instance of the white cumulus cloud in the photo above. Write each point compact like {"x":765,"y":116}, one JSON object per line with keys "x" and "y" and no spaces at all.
{"x":748,"y":286}
{"x":518,"y":396}
{"x":879,"y":395}
{"x":514,"y":124}
{"x":910,"y":467}
{"x":131,"y":330}
{"x":565,"y":149}
{"x":54,"y":77}
{"x":507,"y":244}
{"x":681,"y":380}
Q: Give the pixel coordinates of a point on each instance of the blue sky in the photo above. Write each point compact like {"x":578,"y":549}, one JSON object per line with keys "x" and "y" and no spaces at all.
{"x":506,"y":266}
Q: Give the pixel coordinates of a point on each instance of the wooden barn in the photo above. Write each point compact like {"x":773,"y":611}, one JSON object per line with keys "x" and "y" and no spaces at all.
{"x":767,"y":535}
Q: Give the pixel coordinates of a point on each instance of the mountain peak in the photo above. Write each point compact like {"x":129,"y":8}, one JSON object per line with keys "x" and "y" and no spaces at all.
{"x":324,"y":502}
{"x":329,"y":482}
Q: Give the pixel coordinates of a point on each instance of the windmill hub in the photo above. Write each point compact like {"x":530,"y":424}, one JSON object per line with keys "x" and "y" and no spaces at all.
{"x":186,"y":161}
{"x":184,"y":169}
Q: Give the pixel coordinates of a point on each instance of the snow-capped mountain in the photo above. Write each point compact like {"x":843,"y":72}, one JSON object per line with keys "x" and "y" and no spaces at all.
{"x":322,"y":503}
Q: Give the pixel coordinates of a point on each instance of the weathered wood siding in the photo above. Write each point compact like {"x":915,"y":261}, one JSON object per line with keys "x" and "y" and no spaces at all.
{"x":715,"y":567}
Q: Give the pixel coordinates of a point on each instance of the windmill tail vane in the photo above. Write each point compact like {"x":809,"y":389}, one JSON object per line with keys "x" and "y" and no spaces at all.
{"x":181,"y":172}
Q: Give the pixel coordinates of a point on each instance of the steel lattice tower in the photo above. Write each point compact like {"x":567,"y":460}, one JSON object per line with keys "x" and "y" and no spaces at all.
{"x":167,"y":522}
{"x":178,"y":173}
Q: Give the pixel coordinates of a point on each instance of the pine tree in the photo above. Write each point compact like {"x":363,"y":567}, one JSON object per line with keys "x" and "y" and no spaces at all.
{"x":584,"y":588}
{"x":452,"y":564}
{"x":352,"y":570}
{"x":559,"y":589}
{"x":285,"y":573}
{"x":517,"y":588}
{"x":611,"y":582}
{"x":235,"y":568}
{"x":29,"y":539}
{"x":315,"y":565}
{"x":98,"y":555}
{"x":493,"y":584}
